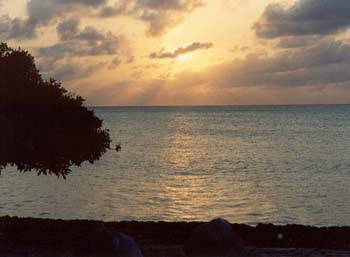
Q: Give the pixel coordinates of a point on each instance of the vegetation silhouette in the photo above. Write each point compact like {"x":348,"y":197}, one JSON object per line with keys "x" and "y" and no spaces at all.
{"x":43,"y":128}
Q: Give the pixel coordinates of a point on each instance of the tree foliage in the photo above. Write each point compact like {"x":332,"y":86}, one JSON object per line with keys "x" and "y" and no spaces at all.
{"x":43,"y":128}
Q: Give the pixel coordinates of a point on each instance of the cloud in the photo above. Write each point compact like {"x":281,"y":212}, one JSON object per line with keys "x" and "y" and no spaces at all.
{"x":109,"y":45}
{"x":181,"y":5}
{"x":323,"y":65}
{"x":119,"y":8}
{"x":68,"y":29}
{"x":73,"y":55}
{"x":298,"y":42}
{"x":16,"y":28}
{"x":313,"y":73}
{"x":45,"y":11}
{"x":160,"y":22}
{"x":76,"y":42}
{"x":305,"y":17}
{"x":181,"y":50}
{"x":41,"y":13}
{"x":133,"y":7}
{"x":115,"y":63}
{"x":160,"y":15}
{"x":68,"y":71}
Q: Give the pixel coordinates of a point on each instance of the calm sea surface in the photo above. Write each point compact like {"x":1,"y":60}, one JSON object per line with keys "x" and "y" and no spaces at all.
{"x":282,"y":164}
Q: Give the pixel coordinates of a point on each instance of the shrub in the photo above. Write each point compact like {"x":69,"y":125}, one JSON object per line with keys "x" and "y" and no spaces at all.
{"x":43,"y":128}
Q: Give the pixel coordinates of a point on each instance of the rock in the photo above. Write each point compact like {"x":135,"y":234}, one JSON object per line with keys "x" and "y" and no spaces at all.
{"x":114,"y":244}
{"x":280,"y":236}
{"x":125,"y":246}
{"x":214,"y":239}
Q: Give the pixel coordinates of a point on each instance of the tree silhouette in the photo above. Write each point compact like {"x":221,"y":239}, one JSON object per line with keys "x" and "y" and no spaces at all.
{"x":43,"y":128}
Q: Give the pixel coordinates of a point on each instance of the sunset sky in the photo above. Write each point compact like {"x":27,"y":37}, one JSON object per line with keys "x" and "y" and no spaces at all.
{"x":188,"y":52}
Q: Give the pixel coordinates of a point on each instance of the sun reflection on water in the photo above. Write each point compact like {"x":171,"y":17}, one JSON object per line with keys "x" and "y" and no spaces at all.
{"x":180,"y":152}
{"x":194,"y":194}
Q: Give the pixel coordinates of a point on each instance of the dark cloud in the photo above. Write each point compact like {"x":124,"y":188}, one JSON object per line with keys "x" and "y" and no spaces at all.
{"x":181,"y":50}
{"x":115,"y":63}
{"x":91,"y":34}
{"x":305,"y":17}
{"x":298,"y":42}
{"x":45,"y":11}
{"x":119,"y":8}
{"x":160,"y":15}
{"x":323,"y":65}
{"x":181,"y":5}
{"x":16,"y":28}
{"x":134,"y":7}
{"x":68,"y":69}
{"x":74,"y":70}
{"x":86,"y":42}
{"x":72,"y":57}
{"x":63,"y":59}
{"x":160,"y":22}
{"x":68,"y":29}
{"x":313,"y":73}
{"x":41,"y":13}
{"x":74,"y":48}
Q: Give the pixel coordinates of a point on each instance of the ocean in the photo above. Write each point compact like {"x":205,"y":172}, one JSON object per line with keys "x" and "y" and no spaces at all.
{"x":247,"y":164}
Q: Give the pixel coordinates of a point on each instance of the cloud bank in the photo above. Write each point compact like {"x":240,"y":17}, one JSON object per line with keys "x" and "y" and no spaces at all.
{"x":306,"y":17}
{"x":41,"y":13}
{"x":159,"y":15}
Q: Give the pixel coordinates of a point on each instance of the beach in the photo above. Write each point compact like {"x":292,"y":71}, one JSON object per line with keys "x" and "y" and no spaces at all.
{"x":21,"y":237}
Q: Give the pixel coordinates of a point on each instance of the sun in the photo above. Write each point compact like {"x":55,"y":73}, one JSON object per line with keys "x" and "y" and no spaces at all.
{"x":182,"y":57}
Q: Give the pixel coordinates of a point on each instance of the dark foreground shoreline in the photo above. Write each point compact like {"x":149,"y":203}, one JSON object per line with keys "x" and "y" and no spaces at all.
{"x":44,"y":237}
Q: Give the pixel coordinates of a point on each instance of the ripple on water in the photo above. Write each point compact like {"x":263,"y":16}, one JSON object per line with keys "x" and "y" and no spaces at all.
{"x":246,"y":164}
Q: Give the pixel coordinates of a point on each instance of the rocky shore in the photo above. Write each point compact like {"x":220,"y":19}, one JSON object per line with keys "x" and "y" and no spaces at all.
{"x":46,"y":237}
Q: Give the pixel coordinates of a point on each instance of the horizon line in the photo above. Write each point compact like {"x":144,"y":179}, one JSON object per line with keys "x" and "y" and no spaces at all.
{"x":226,"y":105}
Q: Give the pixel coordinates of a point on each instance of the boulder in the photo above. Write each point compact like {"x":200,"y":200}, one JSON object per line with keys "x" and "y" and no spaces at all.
{"x":125,"y":246}
{"x":214,"y":239}
{"x":109,"y":243}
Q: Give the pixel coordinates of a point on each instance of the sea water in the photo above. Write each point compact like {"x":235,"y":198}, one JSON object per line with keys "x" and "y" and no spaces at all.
{"x":247,"y":164}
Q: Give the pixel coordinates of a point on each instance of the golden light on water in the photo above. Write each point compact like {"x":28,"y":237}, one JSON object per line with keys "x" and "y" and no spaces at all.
{"x":189,"y":190}
{"x":179,"y":153}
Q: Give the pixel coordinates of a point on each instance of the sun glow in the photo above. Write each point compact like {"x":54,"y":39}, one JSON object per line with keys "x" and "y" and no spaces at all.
{"x":182,"y":57}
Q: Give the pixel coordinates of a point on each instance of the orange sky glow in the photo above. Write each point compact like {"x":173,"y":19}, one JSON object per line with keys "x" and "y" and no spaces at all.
{"x":187,"y":52}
